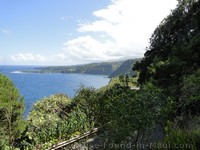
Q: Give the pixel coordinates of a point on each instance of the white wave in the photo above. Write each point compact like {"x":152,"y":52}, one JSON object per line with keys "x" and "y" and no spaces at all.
{"x":18,"y":72}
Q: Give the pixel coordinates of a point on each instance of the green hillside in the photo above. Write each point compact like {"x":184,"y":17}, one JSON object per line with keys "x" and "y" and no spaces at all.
{"x":125,"y":68}
{"x":104,"y":68}
{"x":111,"y":69}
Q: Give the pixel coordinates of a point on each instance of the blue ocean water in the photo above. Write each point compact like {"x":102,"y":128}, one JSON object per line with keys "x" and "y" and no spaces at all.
{"x":34,"y":86}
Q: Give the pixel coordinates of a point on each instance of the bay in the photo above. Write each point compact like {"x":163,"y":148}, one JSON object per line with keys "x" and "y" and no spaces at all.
{"x":35,"y":86}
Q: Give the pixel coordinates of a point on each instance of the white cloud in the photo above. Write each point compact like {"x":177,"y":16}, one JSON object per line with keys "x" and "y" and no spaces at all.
{"x":28,"y":57}
{"x":130,"y":22}
{"x":122,"y":30}
{"x":37,"y":59}
{"x":87,"y":49}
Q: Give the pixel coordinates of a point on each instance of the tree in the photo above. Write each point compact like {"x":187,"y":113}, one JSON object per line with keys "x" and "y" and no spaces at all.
{"x":124,"y":80}
{"x":48,"y":119}
{"x":172,"y":63}
{"x":11,"y":112}
{"x":87,"y":102}
{"x":190,"y":97}
{"x":174,"y":50}
{"x":128,"y":115}
{"x":169,"y":44}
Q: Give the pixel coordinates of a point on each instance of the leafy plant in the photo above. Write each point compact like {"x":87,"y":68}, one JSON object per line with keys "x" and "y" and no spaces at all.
{"x":182,"y":138}
{"x":11,"y":113}
{"x":48,"y":120}
{"x":129,"y":115}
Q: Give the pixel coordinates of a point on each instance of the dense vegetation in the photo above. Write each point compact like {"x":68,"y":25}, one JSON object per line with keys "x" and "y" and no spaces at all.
{"x":163,"y":111}
{"x":11,"y":112}
{"x":173,"y":58}
{"x":172,"y":63}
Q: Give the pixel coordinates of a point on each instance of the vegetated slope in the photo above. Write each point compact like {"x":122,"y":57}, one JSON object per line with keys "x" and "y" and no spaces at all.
{"x":104,"y":68}
{"x":112,"y":69}
{"x":172,"y":63}
{"x":174,"y":52}
{"x":125,"y":68}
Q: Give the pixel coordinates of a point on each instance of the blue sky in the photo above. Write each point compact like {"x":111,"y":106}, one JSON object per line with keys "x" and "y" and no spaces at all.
{"x":68,"y":32}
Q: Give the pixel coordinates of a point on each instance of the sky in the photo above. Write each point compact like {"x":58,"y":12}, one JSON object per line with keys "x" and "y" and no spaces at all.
{"x":70,"y":32}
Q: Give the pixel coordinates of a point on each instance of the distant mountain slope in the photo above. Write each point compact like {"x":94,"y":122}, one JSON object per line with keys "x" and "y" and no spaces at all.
{"x":104,"y":68}
{"x":124,"y":69}
{"x":111,"y":69}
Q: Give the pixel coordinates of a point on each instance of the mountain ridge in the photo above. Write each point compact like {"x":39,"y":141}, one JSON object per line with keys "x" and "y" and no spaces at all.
{"x":111,"y":69}
{"x":125,"y":68}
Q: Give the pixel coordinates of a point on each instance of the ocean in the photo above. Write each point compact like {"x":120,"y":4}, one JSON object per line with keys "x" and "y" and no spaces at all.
{"x":35,"y":86}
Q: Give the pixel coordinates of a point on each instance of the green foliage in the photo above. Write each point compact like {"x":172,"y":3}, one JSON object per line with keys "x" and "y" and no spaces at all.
{"x":128,"y":114}
{"x":182,"y":138}
{"x":49,"y":109}
{"x":117,"y":111}
{"x":57,"y":118}
{"x":174,"y":47}
{"x":173,"y":56}
{"x":121,"y":80}
{"x":189,"y":99}
{"x":11,"y":113}
{"x":87,"y":102}
{"x":48,"y":120}
{"x":172,"y":63}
